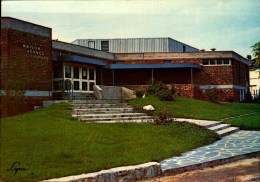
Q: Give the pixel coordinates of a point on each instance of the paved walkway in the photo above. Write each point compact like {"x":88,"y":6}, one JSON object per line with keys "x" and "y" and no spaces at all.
{"x":239,"y":143}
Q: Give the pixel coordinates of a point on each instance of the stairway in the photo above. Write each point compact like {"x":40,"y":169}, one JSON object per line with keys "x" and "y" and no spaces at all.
{"x":216,"y":126}
{"x":224,"y":129}
{"x":83,"y":96}
{"x":107,"y":111}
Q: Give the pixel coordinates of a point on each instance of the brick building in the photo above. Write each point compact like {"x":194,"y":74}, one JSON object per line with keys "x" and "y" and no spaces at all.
{"x":47,"y":69}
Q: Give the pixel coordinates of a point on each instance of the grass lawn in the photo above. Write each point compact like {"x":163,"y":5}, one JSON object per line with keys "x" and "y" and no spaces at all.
{"x":197,"y":109}
{"x":48,"y":143}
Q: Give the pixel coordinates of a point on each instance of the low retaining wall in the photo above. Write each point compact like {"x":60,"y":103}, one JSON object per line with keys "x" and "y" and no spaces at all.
{"x":186,"y":90}
{"x":11,"y":106}
{"x":128,"y":173}
{"x":113,"y":92}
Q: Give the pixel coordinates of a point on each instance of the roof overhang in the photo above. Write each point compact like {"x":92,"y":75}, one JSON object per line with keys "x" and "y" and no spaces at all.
{"x":154,"y":66}
{"x":81,"y":59}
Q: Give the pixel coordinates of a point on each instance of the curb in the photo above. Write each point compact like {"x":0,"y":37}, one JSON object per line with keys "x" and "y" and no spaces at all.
{"x":128,"y":173}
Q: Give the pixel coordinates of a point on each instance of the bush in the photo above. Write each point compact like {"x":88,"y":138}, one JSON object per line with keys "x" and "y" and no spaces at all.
{"x":248,"y":97}
{"x":173,"y":91}
{"x":165,"y":95}
{"x":155,"y":87}
{"x":139,"y":93}
{"x":163,"y":117}
{"x":213,"y":95}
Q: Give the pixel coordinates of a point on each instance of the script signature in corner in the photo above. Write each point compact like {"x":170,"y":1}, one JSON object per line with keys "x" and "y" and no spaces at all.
{"x":14,"y":168}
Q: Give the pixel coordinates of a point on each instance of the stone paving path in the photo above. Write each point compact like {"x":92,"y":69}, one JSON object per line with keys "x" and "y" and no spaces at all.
{"x":239,"y":143}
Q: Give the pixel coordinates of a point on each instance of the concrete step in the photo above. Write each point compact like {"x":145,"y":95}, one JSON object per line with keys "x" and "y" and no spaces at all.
{"x":83,"y":96}
{"x":128,"y":121}
{"x":100,"y":105}
{"x":96,"y":101}
{"x":227,"y":131}
{"x":219,"y":127}
{"x":107,"y":115}
{"x":103,"y":110}
{"x":119,"y":119}
{"x":204,"y":123}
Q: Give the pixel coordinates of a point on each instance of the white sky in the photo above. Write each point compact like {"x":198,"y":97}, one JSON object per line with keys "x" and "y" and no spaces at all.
{"x":222,"y":24}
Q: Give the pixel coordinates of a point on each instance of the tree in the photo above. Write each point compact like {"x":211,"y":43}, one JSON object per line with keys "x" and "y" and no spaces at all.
{"x":256,"y":54}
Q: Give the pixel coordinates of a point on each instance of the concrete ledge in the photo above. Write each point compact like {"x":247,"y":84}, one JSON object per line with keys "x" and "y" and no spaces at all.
{"x":213,"y":163}
{"x":47,"y":103}
{"x":128,"y":173}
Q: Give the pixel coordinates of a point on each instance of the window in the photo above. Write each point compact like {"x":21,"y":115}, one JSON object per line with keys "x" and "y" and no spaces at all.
{"x":57,"y":85}
{"x":219,"y":61}
{"x":84,"y":73}
{"x":226,"y":61}
{"x":91,"y":44}
{"x":105,"y":46}
{"x":85,"y":86}
{"x":76,"y":85}
{"x":76,"y":72}
{"x":67,"y":71}
{"x":91,"y":73}
{"x":205,"y":62}
{"x":212,"y":61}
{"x":91,"y":85}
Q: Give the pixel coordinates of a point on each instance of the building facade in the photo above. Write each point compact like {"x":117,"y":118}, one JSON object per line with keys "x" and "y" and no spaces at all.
{"x":45,"y":69}
{"x":255,"y":82}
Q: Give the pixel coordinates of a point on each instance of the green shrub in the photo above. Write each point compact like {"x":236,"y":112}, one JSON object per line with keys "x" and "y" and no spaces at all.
{"x":173,"y":91}
{"x":153,"y":88}
{"x":249,"y":97}
{"x":139,"y":93}
{"x":163,"y":117}
{"x":165,"y":95}
{"x":213,"y":95}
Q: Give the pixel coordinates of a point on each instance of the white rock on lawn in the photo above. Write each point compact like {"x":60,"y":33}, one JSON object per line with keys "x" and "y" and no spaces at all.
{"x":148,"y":108}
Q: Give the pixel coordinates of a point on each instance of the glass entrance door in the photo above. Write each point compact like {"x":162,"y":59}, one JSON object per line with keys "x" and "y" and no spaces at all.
{"x":82,"y":78}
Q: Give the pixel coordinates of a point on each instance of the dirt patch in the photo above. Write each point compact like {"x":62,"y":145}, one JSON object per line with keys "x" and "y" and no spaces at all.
{"x":244,"y":170}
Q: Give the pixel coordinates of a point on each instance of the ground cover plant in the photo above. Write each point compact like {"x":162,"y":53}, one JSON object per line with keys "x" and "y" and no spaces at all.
{"x":191,"y":108}
{"x":48,"y":143}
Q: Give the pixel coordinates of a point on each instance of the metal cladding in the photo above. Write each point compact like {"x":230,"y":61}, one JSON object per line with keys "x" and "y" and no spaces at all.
{"x":154,"y":66}
{"x":137,"y":45}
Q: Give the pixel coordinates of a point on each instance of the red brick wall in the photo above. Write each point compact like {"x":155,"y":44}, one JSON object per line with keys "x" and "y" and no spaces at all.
{"x":214,"y":75}
{"x":19,"y":59}
{"x":241,"y":74}
{"x":25,"y":59}
{"x":223,"y":95}
{"x":186,"y":90}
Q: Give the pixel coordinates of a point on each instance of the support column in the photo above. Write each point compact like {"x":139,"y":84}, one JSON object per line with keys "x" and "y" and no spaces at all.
{"x":113,"y":73}
{"x":191,"y":76}
{"x":101,"y":76}
{"x":152,"y":75}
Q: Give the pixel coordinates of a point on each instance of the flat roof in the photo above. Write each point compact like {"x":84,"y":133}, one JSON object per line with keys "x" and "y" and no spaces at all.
{"x":24,"y":26}
{"x":181,"y":55}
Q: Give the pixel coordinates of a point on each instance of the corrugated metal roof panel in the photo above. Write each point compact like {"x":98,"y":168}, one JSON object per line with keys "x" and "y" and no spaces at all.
{"x":139,"y":45}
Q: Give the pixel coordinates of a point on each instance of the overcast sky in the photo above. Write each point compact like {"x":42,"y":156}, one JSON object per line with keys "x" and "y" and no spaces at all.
{"x":204,"y":24}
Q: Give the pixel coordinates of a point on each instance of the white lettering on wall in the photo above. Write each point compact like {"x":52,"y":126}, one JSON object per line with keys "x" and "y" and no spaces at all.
{"x":35,"y":51}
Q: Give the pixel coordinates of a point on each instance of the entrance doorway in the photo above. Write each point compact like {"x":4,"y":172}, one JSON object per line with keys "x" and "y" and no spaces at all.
{"x":82,"y":78}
